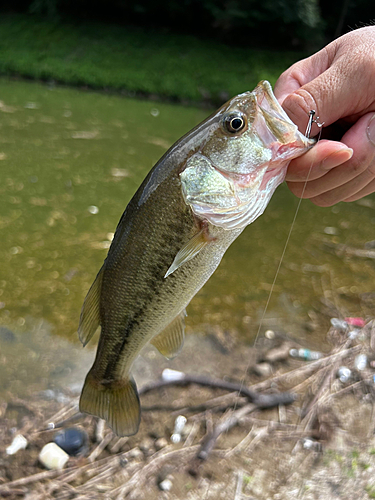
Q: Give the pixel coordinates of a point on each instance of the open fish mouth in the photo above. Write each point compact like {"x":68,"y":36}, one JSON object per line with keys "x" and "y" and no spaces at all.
{"x":286,"y":139}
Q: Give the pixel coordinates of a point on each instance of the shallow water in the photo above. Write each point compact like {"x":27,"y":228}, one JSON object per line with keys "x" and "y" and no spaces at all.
{"x":70,"y":161}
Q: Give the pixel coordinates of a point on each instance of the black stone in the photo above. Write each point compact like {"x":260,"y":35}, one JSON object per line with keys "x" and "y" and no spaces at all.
{"x":72,"y":440}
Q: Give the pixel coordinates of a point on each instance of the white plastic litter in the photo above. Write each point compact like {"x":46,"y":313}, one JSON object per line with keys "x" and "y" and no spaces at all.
{"x":53,"y":457}
{"x":360,"y":362}
{"x":170,"y":375}
{"x":179,"y":425}
{"x":165,"y":485}
{"x":18,"y":443}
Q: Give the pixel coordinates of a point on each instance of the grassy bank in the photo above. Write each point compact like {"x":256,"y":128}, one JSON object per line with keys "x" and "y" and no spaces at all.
{"x":133,"y":60}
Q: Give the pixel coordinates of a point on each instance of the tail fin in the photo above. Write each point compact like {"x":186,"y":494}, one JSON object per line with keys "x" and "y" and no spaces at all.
{"x":117,"y":402}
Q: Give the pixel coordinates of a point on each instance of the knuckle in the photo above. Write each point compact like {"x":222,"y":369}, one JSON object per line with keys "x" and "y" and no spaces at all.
{"x":358,"y":164}
{"x":324,"y":200}
{"x":371,"y":169}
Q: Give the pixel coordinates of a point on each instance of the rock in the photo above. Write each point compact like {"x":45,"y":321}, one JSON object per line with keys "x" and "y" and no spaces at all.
{"x":73,"y":441}
{"x":166,"y":485}
{"x":160,"y":443}
{"x":135,"y":453}
{"x":147,"y":445}
{"x":270,"y":334}
{"x":263,"y":369}
{"x":278,"y":353}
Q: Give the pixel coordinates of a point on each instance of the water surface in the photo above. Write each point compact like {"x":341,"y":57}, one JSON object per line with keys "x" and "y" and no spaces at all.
{"x":70,"y":161}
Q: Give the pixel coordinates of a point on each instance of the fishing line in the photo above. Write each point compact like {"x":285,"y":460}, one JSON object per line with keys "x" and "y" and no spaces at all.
{"x":307,"y":134}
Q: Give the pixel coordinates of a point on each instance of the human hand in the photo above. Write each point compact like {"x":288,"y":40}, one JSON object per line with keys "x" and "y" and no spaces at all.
{"x":337,"y":82}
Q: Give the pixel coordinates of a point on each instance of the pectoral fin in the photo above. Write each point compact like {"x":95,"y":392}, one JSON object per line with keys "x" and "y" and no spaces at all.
{"x":188,"y":251}
{"x":90,"y":319}
{"x":170,"y":341}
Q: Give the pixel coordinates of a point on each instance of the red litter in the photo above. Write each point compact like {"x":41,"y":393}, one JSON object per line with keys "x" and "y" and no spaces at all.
{"x":359,"y":322}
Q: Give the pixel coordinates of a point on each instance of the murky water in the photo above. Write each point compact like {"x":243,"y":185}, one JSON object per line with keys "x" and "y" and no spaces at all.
{"x":70,"y":162}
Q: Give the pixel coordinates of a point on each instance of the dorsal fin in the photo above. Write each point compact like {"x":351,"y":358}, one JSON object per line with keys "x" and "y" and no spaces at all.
{"x":170,"y":341}
{"x":188,"y":251}
{"x":90,"y":318}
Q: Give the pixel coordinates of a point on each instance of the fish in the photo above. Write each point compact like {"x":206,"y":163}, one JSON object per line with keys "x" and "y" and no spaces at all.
{"x":196,"y":200}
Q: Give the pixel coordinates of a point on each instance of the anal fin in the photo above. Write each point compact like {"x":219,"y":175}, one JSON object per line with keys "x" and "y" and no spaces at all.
{"x":170,"y":341}
{"x":90,"y":318}
{"x":188,"y":251}
{"x":117,"y":402}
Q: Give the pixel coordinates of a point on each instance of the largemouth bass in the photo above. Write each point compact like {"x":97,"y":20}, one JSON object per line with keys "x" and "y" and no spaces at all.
{"x":192,"y":205}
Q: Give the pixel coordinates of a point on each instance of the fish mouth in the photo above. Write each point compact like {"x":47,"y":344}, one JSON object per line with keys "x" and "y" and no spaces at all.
{"x":276,"y":129}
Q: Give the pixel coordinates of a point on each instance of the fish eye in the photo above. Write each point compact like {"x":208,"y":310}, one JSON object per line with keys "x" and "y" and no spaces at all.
{"x":234,"y":123}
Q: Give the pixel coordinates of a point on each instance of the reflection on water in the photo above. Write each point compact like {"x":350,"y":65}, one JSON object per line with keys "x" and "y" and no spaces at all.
{"x":70,"y":162}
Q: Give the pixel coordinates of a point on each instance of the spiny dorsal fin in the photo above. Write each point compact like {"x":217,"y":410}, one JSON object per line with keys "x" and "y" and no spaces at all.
{"x":117,"y":402}
{"x":90,"y":319}
{"x":170,"y":341}
{"x":188,"y":251}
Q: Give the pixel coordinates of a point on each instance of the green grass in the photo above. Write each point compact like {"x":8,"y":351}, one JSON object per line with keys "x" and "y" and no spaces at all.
{"x":134,"y":60}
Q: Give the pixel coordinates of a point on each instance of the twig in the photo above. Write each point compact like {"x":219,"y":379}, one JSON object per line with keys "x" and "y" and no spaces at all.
{"x":346,"y":389}
{"x":235,"y":417}
{"x":73,"y":405}
{"x":209,"y":423}
{"x":48,"y":474}
{"x":238,"y":494}
{"x":70,"y":474}
{"x":119,"y":443}
{"x":220,"y":403}
{"x":99,"y":430}
{"x":210,"y":441}
{"x":14,"y":492}
{"x":267,"y":400}
{"x":99,"y":478}
{"x":101,"y":446}
{"x":243,"y":443}
{"x":282,"y":414}
{"x":288,"y":377}
{"x":323,"y":386}
{"x":203,"y":381}
{"x":193,"y":432}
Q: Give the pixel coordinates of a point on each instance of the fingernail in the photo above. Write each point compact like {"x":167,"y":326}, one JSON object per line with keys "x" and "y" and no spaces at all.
{"x":337,"y":158}
{"x":371,"y":130}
